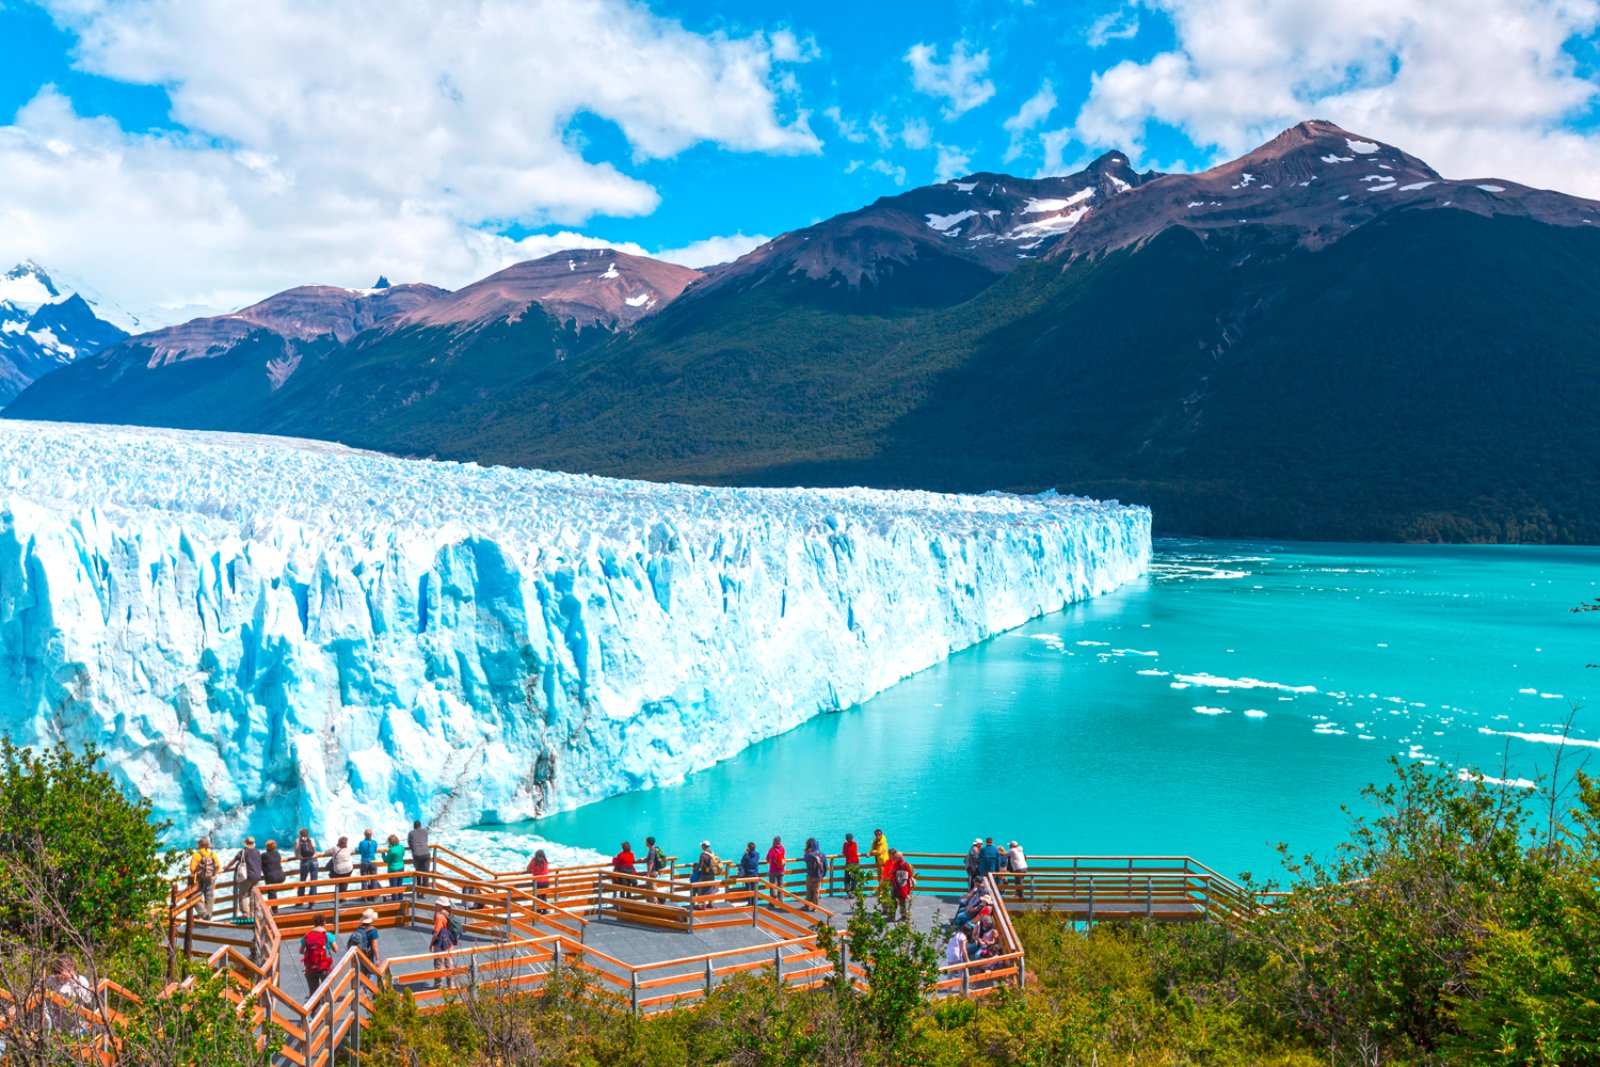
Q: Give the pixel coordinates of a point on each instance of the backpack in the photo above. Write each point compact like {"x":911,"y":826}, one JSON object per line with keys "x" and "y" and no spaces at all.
{"x":702,"y":868}
{"x":453,"y":924}
{"x":315,"y":954}
{"x":816,"y":864}
{"x":902,"y":880}
{"x":304,"y":849}
{"x":363,"y":938}
{"x":206,"y":872}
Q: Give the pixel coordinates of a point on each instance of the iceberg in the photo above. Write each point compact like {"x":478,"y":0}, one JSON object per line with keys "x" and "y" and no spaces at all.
{"x":264,"y":633}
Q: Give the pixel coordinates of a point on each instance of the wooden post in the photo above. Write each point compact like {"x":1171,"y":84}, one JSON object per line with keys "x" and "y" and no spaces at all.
{"x":555,"y":964}
{"x":777,"y":964}
{"x":1090,"y":920}
{"x":966,"y":981}
{"x":710,"y":976}
{"x":1148,"y":904}
{"x":472,"y":971}
{"x":172,"y":933}
{"x":336,"y":886}
{"x":755,"y":905}
{"x":633,"y":976}
{"x":508,"y":914}
{"x":844,"y":960}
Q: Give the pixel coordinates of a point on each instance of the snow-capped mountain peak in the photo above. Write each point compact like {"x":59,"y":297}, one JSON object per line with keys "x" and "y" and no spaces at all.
{"x":44,"y":325}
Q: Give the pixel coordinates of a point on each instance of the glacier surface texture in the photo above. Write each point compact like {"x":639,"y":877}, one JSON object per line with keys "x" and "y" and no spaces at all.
{"x":264,"y":633}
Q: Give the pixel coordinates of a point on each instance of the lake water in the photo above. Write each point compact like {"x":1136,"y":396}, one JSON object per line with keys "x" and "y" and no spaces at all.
{"x":1235,"y":698}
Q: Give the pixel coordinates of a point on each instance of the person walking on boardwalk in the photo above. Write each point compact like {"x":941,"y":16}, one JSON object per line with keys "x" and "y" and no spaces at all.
{"x":367,"y":849}
{"x":339,"y":862}
{"x":852,"y":863}
{"x":446,"y":933}
{"x":990,"y":858}
{"x":775,"y":862}
{"x":203,"y":868}
{"x":246,"y":876}
{"x":879,"y":851}
{"x":1017,"y":863}
{"x":750,"y":862}
{"x":816,"y":869}
{"x":421,"y":855}
{"x":902,"y":880}
{"x":394,"y":858}
{"x":365,"y":937}
{"x":704,"y":875}
{"x":305,"y":850}
{"x":974,"y":862}
{"x":316,"y":954}
{"x":272,"y":875}
{"x":539,"y":868}
{"x":654,"y":861}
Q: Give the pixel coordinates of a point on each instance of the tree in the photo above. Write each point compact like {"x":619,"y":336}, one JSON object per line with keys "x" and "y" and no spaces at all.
{"x":900,"y":963}
{"x":66,"y":829}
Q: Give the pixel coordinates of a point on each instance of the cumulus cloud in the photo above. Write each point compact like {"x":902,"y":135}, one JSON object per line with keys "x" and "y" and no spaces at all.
{"x":959,"y":81}
{"x":335,"y":142}
{"x":1119,"y":25}
{"x":951,"y":162}
{"x":710,"y":251}
{"x":1476,"y":87}
{"x":1029,"y":117}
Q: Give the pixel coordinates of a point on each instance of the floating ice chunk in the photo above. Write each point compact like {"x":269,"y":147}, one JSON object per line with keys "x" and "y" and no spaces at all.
{"x":1254,"y":713}
{"x":1214,"y":682}
{"x":1473,"y":776}
{"x":1203,"y":710}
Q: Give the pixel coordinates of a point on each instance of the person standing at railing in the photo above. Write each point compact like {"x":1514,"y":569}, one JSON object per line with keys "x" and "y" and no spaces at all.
{"x":316,"y":954}
{"x":421,"y":856}
{"x":654,"y":861}
{"x":816,"y":869}
{"x":880,"y":853}
{"x":246,"y":876}
{"x":367,"y":849}
{"x":775,"y":863}
{"x":339,"y":862}
{"x":203,"y":868}
{"x":1017,"y":863}
{"x":305,"y":850}
{"x":539,"y":868}
{"x":852,"y":863}
{"x":750,"y":862}
{"x":272,"y":875}
{"x":990,"y":857}
{"x":974,"y":862}
{"x":624,"y":865}
{"x":394,"y":858}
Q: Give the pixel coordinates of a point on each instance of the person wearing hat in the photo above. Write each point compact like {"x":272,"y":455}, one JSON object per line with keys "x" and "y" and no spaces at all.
{"x":365,"y":937}
{"x":1017,"y":863}
{"x":704,"y":874}
{"x":446,"y":933}
{"x":974,"y":862}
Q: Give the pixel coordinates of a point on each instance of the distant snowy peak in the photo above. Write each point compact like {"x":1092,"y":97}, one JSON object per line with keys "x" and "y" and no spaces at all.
{"x":981,"y":226}
{"x":585,"y":287}
{"x":1312,"y":184}
{"x":44,"y":325}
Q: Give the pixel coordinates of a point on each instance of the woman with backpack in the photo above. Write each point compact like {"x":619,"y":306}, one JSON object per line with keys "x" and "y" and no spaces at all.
{"x":816,"y":869}
{"x":203,"y":868}
{"x":316,"y":954}
{"x":305,"y":850}
{"x":272,"y":875}
{"x":339,"y":863}
{"x":446,"y":934}
{"x":394,"y":858}
{"x":704,"y":874}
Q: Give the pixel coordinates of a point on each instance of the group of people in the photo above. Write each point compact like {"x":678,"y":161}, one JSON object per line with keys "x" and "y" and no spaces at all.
{"x":268,"y":866}
{"x":985,"y":858}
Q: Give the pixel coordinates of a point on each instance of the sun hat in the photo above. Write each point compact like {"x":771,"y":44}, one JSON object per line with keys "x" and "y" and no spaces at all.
{"x":368,"y":917}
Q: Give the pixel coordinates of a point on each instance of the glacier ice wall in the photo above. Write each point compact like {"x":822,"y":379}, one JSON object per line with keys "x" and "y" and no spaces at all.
{"x":266,"y":633}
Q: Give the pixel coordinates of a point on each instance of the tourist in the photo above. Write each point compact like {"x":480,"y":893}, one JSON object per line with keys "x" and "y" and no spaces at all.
{"x":654,"y":861}
{"x":879,"y":851}
{"x":272,"y":869}
{"x":339,"y":862}
{"x":316,"y":954}
{"x":624,"y":865}
{"x":367,"y":849}
{"x":902,"y":880}
{"x":421,"y":856}
{"x":203,"y":869}
{"x":974,"y":906}
{"x":955,"y":950}
{"x":852,"y":863}
{"x":246,"y":876}
{"x":816,"y":869}
{"x":1018,"y":865}
{"x":446,"y":936}
{"x":974,"y":862}
{"x":305,"y":850}
{"x":539,"y":868}
{"x":78,"y":992}
{"x":775,"y":863}
{"x":991,"y":857}
{"x":704,"y":875}
{"x":365,"y":937}
{"x":394,"y":858}
{"x":750,"y":863}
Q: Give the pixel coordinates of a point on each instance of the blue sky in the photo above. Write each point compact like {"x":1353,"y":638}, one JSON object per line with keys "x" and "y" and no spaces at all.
{"x":190,"y":152}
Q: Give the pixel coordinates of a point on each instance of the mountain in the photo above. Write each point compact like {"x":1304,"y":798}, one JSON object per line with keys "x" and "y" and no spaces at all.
{"x":44,"y":326}
{"x":385,"y":366}
{"x":1322,"y":339}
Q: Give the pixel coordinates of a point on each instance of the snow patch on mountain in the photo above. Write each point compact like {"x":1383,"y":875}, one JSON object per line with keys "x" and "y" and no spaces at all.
{"x":265,"y":633}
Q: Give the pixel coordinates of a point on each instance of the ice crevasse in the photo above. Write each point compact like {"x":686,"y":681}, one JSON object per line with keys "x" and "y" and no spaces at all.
{"x":264,"y":633}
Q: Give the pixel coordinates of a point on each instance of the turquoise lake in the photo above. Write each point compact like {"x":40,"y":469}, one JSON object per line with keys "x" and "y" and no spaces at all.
{"x":1236,"y":697}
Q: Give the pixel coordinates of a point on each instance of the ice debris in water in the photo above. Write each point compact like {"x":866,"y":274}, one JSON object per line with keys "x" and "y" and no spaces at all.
{"x":266,"y":633}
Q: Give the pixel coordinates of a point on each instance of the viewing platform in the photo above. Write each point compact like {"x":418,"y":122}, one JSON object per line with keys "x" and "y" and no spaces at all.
{"x":644,"y":944}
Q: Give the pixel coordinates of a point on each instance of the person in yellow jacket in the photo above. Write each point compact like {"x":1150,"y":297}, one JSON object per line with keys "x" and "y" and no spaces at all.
{"x":880,"y":853}
{"x":203,"y":870}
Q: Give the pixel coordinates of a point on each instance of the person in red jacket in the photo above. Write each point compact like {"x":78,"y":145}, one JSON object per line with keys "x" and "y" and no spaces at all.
{"x":624,"y":864}
{"x":852,"y":863}
{"x":902,"y":880}
{"x":539,"y":868}
{"x":775,"y":856}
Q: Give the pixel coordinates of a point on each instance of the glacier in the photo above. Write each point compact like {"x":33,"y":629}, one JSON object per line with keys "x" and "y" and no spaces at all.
{"x":264,"y":633}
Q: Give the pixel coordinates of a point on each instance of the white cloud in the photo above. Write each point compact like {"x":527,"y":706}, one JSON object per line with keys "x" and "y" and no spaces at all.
{"x":915,"y":134}
{"x":952,"y":162}
{"x":1476,"y":87}
{"x":1119,"y":25}
{"x":849,"y":129}
{"x":335,"y":142}
{"x":1029,"y":117}
{"x":892,"y":170}
{"x":710,"y":251}
{"x":960,"y":81}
